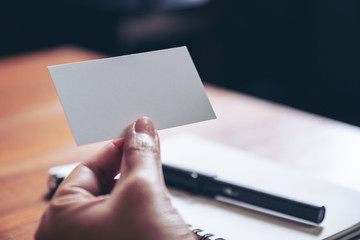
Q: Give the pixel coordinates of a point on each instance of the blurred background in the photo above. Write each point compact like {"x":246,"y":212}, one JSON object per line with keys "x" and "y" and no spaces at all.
{"x":304,"y":54}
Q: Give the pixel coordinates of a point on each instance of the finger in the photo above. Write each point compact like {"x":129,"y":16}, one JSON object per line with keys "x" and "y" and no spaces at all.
{"x":94,"y":176}
{"x":142,"y":149}
{"x":141,"y":154}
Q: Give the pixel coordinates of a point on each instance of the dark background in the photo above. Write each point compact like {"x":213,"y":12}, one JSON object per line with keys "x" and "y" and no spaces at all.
{"x":303,"y":54}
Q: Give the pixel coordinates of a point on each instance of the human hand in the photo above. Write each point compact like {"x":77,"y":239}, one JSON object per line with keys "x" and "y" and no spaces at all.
{"x":90,"y":205}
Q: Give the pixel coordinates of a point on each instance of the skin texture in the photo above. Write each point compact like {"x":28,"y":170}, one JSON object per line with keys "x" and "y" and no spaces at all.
{"x":90,"y":205}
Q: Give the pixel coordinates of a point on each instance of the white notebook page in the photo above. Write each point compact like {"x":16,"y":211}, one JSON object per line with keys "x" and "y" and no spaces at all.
{"x":233,"y":223}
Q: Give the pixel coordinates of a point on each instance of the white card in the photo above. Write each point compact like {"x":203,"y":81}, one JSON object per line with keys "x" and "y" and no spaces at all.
{"x":102,"y":97}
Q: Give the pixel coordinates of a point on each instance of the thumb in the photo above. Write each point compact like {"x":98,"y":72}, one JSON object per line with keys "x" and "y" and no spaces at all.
{"x":141,"y":154}
{"x":140,"y":196}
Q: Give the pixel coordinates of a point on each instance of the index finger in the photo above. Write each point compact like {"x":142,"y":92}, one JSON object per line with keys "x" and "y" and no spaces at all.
{"x":93,"y":176}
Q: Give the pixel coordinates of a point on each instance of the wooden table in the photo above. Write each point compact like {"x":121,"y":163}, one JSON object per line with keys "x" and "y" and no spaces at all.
{"x":34,"y":135}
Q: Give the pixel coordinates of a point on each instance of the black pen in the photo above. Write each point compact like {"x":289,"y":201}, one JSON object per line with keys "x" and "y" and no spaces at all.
{"x":210,"y":186}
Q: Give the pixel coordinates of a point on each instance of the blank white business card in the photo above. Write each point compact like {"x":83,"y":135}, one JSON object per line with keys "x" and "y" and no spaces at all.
{"x":102,"y":97}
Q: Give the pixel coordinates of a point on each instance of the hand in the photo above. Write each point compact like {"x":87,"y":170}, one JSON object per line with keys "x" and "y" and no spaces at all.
{"x":90,"y":205}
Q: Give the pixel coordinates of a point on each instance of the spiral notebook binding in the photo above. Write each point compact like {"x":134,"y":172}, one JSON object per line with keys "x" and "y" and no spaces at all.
{"x":204,"y":235}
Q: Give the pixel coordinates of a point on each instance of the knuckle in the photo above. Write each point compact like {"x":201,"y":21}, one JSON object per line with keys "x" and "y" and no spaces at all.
{"x":143,"y":144}
{"x":141,"y":150}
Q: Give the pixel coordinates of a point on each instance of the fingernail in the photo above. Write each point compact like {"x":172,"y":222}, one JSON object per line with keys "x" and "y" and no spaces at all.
{"x":145,"y":125}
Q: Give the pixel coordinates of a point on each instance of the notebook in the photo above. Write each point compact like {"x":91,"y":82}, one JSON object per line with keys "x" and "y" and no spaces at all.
{"x":224,"y":221}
